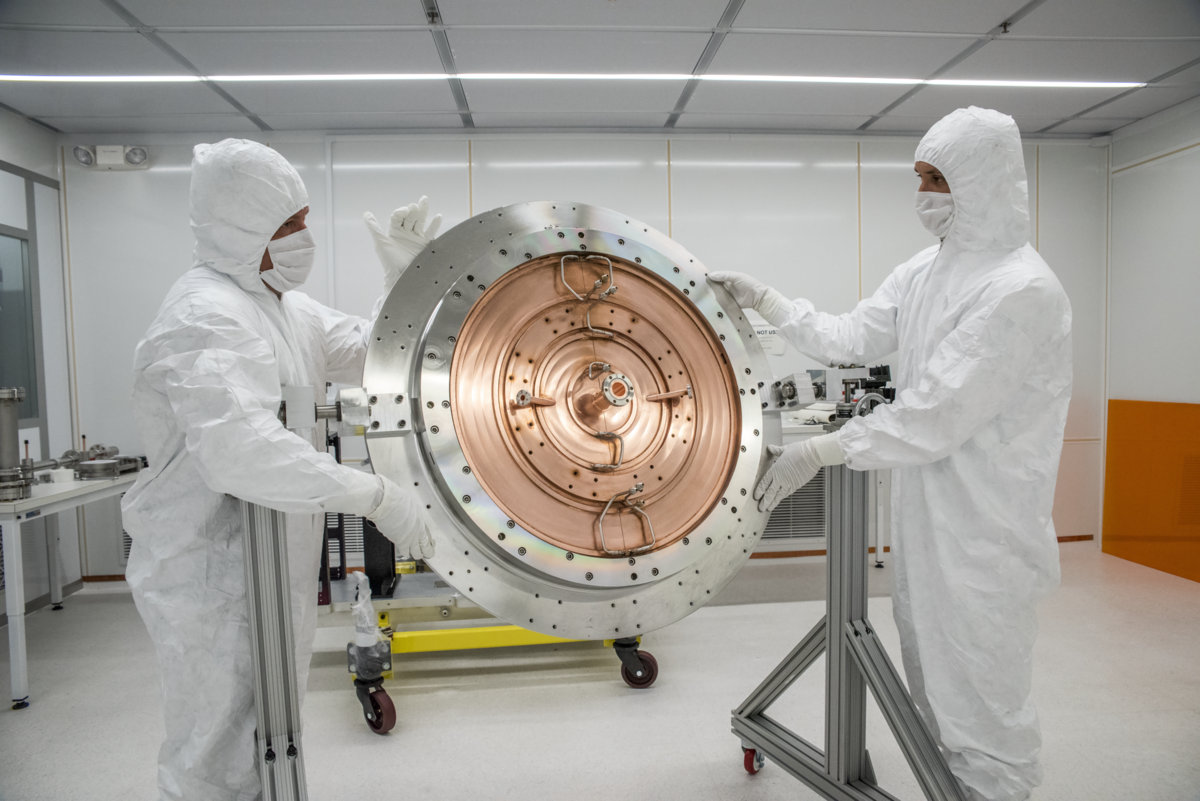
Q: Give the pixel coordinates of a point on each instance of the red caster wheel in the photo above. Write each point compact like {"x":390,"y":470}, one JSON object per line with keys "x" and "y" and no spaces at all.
{"x":648,"y":674}
{"x":383,"y":712}
{"x":752,"y":761}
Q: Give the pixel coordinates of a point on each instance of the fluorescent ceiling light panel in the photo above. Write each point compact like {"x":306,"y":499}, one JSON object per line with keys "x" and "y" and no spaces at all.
{"x":572,"y":76}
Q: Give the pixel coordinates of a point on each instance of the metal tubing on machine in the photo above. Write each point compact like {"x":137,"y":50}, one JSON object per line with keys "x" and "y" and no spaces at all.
{"x":855,"y":661}
{"x":276,"y":699}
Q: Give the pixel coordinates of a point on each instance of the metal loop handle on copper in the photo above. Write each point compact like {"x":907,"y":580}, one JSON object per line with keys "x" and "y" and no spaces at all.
{"x":608,"y":468}
{"x":636,"y":506}
{"x":562,"y":274}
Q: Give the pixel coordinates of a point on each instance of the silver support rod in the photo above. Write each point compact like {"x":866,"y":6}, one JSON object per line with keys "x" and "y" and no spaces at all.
{"x":855,"y":662}
{"x":276,"y":699}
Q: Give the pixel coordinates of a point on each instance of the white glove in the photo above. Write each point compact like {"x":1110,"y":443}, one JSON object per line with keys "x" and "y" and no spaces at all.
{"x":406,"y":236}
{"x":750,"y":293}
{"x":402,"y":519}
{"x":795,"y":466}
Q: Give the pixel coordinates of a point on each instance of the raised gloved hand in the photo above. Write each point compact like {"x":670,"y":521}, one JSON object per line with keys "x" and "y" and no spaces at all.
{"x":406,"y":236}
{"x":402,"y":519}
{"x":750,"y":293}
{"x":794,"y":466}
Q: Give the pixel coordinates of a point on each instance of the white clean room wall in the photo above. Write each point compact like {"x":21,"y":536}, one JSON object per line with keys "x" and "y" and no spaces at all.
{"x":619,"y":172}
{"x":28,"y":146}
{"x":826,"y":218}
{"x":1071,"y":206}
{"x":128,"y":240}
{"x":781,"y":209}
{"x":1155,"y":262}
{"x":380,"y":175}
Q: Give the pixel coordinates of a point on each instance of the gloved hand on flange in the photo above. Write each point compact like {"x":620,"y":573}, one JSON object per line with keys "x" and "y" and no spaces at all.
{"x":402,"y":519}
{"x":406,"y":236}
{"x":750,"y":293}
{"x":794,"y":466}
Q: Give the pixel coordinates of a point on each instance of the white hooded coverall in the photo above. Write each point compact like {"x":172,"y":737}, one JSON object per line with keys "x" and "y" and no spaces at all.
{"x":982,"y":330}
{"x":208,"y":378}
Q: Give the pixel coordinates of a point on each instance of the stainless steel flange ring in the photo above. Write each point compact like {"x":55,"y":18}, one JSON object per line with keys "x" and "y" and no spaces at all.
{"x":580,"y":412}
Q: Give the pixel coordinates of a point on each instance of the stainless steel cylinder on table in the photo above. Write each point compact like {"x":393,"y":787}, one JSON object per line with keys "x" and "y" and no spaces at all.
{"x":13,"y":485}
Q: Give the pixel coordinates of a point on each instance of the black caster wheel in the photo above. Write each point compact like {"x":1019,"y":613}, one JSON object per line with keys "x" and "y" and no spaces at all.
{"x":752,"y":761}
{"x":644,"y":678}
{"x":383,"y":712}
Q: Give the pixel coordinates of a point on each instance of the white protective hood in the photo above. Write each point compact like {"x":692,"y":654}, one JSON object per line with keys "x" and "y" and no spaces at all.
{"x":242,"y":191}
{"x":979,"y":152}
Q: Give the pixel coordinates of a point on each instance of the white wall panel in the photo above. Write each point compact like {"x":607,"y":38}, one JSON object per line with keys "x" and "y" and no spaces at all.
{"x":624,"y":173}
{"x":12,"y":201}
{"x":1077,"y":495}
{"x":1072,"y":207}
{"x":1163,"y":133}
{"x":891,"y":230}
{"x":1155,"y":280}
{"x":781,"y":209}
{"x":379,"y":175}
{"x":51,"y":291}
{"x":129,"y":239}
{"x":26,"y":145}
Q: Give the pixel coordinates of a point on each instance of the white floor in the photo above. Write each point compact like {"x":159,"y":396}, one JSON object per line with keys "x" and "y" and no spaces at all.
{"x":1117,"y":682}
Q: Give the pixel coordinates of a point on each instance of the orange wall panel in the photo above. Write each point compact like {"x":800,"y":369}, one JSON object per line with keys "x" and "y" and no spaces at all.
{"x":1152,"y":485}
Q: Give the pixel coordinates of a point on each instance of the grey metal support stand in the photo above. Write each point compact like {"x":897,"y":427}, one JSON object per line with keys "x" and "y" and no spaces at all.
{"x":276,"y":699}
{"x":855,"y":661}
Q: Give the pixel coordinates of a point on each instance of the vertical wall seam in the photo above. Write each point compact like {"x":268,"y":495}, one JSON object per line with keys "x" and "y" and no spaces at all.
{"x":72,"y":353}
{"x":670,"y":207}
{"x":858,"y":177}
{"x":470,"y":181}
{"x":1104,"y":396}
{"x":331,"y":228}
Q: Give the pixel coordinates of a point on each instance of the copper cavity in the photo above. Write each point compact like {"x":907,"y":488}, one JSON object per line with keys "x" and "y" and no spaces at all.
{"x":604,"y":422}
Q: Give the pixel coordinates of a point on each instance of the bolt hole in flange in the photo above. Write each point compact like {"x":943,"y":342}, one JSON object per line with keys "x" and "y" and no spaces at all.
{"x":540,"y":393}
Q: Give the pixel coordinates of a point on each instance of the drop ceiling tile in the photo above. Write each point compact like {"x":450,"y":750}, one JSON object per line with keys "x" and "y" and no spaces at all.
{"x":572,"y":96}
{"x":934,"y":102}
{"x":361,"y":121}
{"x":505,"y":50}
{"x":591,"y":121}
{"x":224,"y":124}
{"x":1099,"y":18}
{"x":584,"y":13}
{"x":336,"y":97}
{"x":275,"y":52}
{"x":698,"y":122}
{"x":87,"y":100}
{"x":82,"y":53}
{"x":1096,"y":126}
{"x":1145,"y":101}
{"x":58,"y":12}
{"x":1056,"y":60}
{"x":858,"y":56}
{"x":969,"y":16}
{"x":719,"y":97}
{"x":294,"y":12}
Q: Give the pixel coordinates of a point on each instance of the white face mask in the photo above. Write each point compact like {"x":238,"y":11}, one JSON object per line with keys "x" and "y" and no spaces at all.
{"x":936,"y":210}
{"x":292,"y":260}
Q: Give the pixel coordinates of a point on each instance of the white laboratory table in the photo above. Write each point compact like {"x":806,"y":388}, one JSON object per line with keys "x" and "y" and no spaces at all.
{"x":46,"y":499}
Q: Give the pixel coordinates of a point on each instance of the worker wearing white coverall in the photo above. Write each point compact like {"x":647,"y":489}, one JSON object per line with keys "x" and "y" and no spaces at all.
{"x":982,"y":330}
{"x":231,"y":333}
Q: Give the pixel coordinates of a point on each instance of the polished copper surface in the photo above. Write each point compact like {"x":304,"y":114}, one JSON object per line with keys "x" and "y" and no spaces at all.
{"x":567,"y":394}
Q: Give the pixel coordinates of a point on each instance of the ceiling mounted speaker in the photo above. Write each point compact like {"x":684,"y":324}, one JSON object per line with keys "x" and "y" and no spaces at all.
{"x":580,"y":412}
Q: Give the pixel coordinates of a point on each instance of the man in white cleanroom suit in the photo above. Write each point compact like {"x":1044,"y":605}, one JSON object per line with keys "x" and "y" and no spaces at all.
{"x":982,"y":329}
{"x":230,"y":334}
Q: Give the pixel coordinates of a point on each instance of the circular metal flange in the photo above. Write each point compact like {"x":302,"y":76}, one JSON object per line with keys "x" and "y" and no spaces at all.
{"x":581,"y":413}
